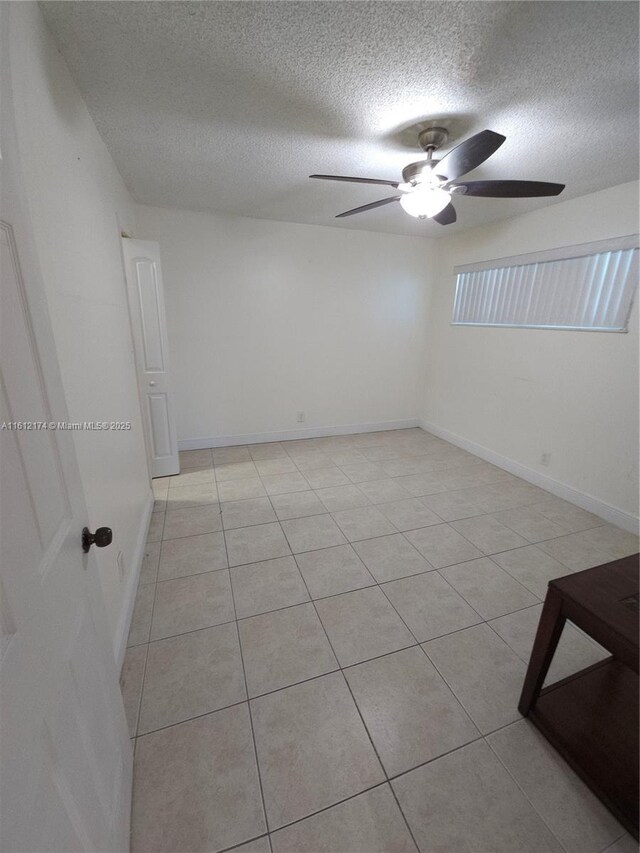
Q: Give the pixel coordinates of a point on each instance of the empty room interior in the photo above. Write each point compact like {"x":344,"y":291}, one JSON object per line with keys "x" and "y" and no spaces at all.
{"x":319,"y":433}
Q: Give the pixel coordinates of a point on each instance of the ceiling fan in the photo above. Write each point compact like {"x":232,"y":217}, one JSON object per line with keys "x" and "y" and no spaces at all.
{"x":427,"y":186}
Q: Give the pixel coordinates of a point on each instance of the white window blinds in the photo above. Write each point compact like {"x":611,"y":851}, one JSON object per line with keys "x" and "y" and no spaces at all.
{"x":588,"y":287}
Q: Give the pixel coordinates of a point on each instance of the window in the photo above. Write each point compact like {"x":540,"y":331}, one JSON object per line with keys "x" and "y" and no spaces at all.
{"x":587,"y":287}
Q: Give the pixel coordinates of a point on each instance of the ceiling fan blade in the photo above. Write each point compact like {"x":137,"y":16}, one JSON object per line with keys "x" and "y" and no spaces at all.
{"x":469,"y":154}
{"x":446,"y":216}
{"x":356,"y":180}
{"x":369,"y":206}
{"x":510,"y":189}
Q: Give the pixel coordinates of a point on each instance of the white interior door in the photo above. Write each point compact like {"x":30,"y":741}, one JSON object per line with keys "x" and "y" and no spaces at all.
{"x":146,"y":304}
{"x":65,"y":756}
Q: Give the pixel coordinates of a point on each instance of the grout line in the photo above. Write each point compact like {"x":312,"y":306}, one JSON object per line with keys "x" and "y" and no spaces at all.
{"x":246,"y":688}
{"x":525,"y":794}
{"x":357,"y":707}
{"x":349,"y":448}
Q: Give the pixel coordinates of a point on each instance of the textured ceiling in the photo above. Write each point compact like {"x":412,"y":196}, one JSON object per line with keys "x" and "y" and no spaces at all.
{"x":229,"y":106}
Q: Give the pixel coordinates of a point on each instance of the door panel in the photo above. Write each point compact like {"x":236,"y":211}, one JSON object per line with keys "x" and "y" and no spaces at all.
{"x":146,"y":301}
{"x":66,"y":760}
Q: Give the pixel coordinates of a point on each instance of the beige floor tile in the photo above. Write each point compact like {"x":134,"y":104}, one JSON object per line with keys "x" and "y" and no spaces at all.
{"x":312,"y":460}
{"x":256,"y":544}
{"x":625,"y":844}
{"x":576,"y":817}
{"x":279,"y":465}
{"x":280,"y":484}
{"x":390,"y":557}
{"x":577,"y":552}
{"x":227,"y":455}
{"x":196,"y":786}
{"x":484,"y":673}
{"x":381,"y":453}
{"x":362,"y":625}
{"x":428,"y":483}
{"x":530,"y":523}
{"x":150,"y":561}
{"x":190,"y":675}
{"x":297,"y":505}
{"x":241,"y":490}
{"x":532,"y":567}
{"x":363,"y":472}
{"x":159,"y":505}
{"x":408,"y":467}
{"x":468,"y":801}
{"x":196,"y":458}
{"x":324,"y":478}
{"x":235,"y":471}
{"x":346,"y":456}
{"x":272,"y":450}
{"x":488,"y":534}
{"x":190,"y":522}
{"x":342,"y":497}
{"x":131,"y":678}
{"x":309,"y":534}
{"x":618,"y":543}
{"x":368,"y":823}
{"x":192,"y":477}
{"x":442,"y":546}
{"x":160,"y":487}
{"x":313,"y":749}
{"x":384,"y":491}
{"x":409,"y":711}
{"x":258,"y":845}
{"x":575,"y":650}
{"x":429,"y":606}
{"x":363,"y":523}
{"x":190,"y":496}
{"x":409,"y":514}
{"x":268,"y":585}
{"x":570,"y":517}
{"x":186,"y":604}
{"x":191,"y":555}
{"x":488,"y":588}
{"x":331,"y":571}
{"x":247,"y":513}
{"x":141,"y":616}
{"x":156,"y":526}
{"x":284,"y":647}
{"x":451,"y":506}
{"x":506,"y":495}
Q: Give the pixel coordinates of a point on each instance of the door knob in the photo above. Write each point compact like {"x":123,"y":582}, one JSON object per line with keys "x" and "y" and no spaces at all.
{"x":101,"y":538}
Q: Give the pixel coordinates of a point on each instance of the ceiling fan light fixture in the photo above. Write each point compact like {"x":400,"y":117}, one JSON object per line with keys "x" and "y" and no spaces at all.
{"x":424,"y":201}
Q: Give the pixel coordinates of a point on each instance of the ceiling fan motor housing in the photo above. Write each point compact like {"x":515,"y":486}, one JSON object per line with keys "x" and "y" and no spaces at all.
{"x":415,"y":172}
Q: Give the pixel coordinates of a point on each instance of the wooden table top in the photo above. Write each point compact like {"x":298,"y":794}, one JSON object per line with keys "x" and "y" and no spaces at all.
{"x":609,"y":593}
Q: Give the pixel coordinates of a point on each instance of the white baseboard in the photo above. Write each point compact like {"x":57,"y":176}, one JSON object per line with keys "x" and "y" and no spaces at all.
{"x":291,"y":434}
{"x":609,"y":513}
{"x":132,"y":583}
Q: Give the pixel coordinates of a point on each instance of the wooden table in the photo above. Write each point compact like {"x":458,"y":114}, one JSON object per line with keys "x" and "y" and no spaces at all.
{"x":591,"y":718}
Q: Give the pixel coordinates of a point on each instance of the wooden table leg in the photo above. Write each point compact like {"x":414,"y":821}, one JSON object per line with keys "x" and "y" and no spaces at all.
{"x":549,"y":631}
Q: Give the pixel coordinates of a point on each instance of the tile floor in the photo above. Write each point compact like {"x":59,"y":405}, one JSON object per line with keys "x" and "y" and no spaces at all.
{"x":327,"y":649}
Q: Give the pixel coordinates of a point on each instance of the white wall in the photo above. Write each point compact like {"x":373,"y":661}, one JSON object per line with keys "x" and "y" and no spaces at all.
{"x":75,"y":194}
{"x":522,"y":392}
{"x":267,"y":319}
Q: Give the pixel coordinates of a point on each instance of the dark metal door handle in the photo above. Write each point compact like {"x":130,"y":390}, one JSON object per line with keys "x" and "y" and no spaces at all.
{"x":101,"y":538}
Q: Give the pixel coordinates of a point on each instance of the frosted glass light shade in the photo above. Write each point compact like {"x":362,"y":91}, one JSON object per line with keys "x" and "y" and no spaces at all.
{"x":424,"y":201}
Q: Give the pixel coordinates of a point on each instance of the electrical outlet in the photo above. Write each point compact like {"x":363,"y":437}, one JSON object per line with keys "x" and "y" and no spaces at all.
{"x":300,"y":417}
{"x":120,"y":562}
{"x":545,"y":459}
